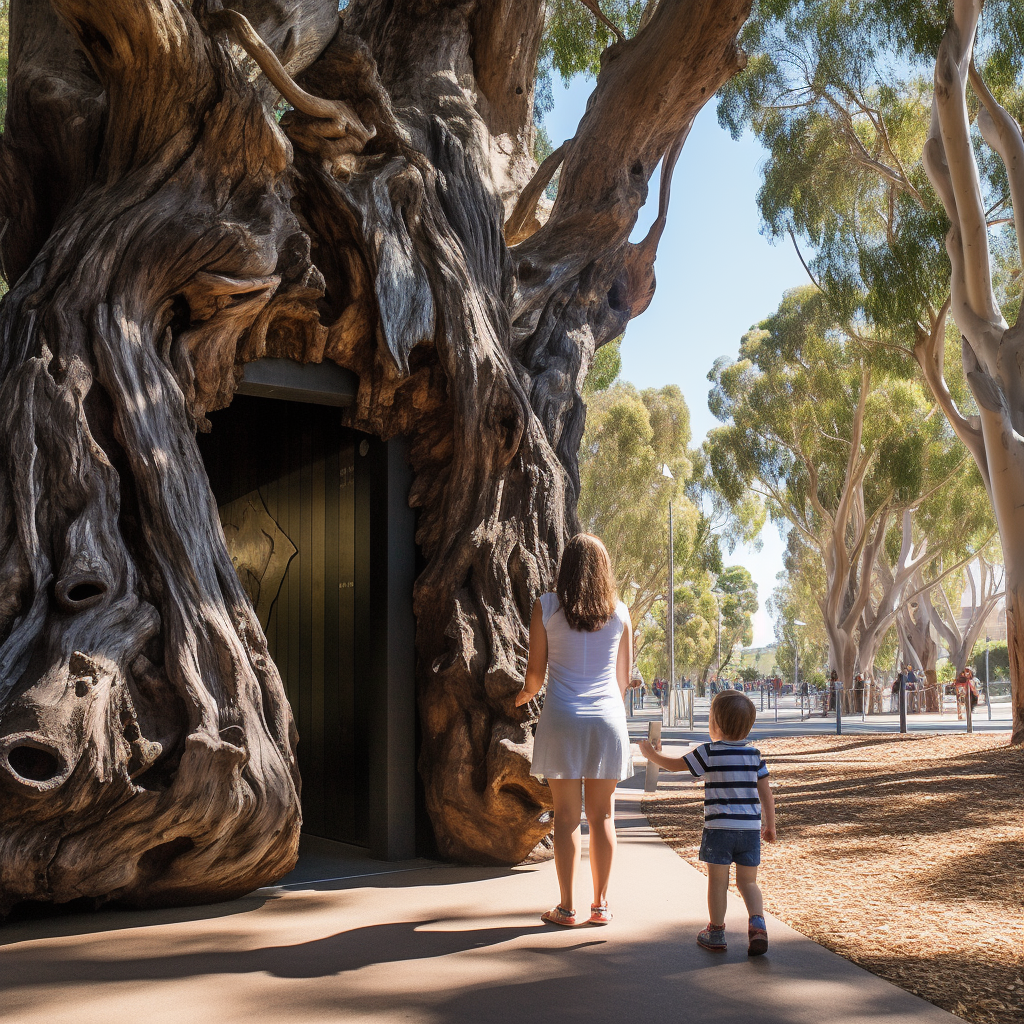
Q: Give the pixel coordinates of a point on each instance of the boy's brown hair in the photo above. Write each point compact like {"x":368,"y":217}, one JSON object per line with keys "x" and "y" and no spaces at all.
{"x":734,"y":713}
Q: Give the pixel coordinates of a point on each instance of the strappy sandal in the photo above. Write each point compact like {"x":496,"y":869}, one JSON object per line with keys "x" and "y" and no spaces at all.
{"x":600,"y":914}
{"x":560,"y":916}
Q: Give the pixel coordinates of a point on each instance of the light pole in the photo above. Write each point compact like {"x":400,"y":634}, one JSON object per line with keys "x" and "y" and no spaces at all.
{"x":988,"y":691}
{"x":718,"y":664}
{"x":796,"y":671}
{"x":667,"y":473}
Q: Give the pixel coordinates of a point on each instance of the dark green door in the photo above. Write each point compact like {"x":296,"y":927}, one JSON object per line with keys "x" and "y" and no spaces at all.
{"x":283,"y":474}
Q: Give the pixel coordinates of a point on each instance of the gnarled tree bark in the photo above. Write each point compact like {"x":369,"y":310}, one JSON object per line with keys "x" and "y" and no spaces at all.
{"x":161,"y":228}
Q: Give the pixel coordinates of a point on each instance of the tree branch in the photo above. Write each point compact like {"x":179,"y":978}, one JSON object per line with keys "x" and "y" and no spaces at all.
{"x":649,"y":89}
{"x":1003,"y":134}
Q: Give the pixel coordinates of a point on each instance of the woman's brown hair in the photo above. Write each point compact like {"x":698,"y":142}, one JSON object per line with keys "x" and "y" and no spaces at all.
{"x":586,"y":586}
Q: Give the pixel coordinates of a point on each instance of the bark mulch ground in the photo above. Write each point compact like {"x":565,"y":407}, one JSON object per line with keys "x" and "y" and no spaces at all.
{"x":902,"y":854}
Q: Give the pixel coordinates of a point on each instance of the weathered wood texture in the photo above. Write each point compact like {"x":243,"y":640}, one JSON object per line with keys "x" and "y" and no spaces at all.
{"x":160,"y":228}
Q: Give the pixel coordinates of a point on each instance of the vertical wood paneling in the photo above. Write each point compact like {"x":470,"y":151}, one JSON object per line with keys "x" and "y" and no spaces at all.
{"x":302,"y":462}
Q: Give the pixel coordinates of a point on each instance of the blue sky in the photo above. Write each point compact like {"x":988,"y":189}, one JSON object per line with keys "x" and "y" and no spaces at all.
{"x":717,"y":275}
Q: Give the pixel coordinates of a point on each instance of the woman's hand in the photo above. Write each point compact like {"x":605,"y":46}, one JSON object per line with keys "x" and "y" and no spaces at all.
{"x":524,"y":697}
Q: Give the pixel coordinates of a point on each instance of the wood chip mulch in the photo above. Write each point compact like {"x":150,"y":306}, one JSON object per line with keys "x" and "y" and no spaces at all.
{"x":902,"y":854}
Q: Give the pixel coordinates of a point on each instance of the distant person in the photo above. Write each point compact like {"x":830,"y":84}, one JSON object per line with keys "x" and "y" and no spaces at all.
{"x":735,"y":793}
{"x":830,"y":694}
{"x":897,"y":689}
{"x":858,"y":692}
{"x":966,"y":689}
{"x":582,"y":637}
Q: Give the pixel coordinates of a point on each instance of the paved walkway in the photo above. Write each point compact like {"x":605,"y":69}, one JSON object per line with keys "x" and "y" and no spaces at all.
{"x":789,"y":723}
{"x":435,"y":944}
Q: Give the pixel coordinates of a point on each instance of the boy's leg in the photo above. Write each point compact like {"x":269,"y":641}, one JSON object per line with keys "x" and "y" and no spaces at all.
{"x":566,"y":796}
{"x":600,"y":804}
{"x":746,"y":882}
{"x":757,"y":933}
{"x":718,"y":892}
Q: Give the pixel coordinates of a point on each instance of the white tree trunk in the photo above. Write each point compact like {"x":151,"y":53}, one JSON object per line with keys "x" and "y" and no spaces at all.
{"x":993,"y":353}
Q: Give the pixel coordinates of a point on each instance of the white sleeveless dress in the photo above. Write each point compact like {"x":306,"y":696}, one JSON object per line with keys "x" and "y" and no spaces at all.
{"x":582,"y":729}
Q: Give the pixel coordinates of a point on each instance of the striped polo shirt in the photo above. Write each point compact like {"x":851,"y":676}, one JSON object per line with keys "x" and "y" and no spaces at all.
{"x":730,"y":772}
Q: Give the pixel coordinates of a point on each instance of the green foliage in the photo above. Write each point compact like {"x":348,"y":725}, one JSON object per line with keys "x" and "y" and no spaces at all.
{"x":605,"y":369}
{"x":998,"y":661}
{"x":624,"y":498}
{"x":750,"y":673}
{"x":795,"y":599}
{"x":840,"y":94}
{"x":738,"y":597}
{"x":788,"y":406}
{"x":572,"y":45}
{"x":574,"y":39}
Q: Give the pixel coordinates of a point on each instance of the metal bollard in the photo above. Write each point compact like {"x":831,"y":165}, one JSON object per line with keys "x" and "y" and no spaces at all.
{"x":839,"y":711}
{"x":903,"y":708}
{"x":988,"y":700}
{"x":970,"y":713}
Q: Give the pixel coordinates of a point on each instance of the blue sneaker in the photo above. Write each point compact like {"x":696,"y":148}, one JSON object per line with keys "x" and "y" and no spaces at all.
{"x":713,"y":938}
{"x":757,"y":937}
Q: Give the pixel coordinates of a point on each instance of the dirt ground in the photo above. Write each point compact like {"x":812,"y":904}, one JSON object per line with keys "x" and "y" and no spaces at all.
{"x":902,"y":854}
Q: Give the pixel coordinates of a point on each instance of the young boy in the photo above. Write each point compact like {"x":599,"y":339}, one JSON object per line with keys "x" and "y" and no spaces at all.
{"x":735,"y":792}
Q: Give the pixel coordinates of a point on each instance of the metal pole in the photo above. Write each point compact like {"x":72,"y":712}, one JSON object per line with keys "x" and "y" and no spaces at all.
{"x":671,"y":609}
{"x":796,"y":676}
{"x":718,"y":667}
{"x":838,"y":693}
{"x":988,"y":691}
{"x":903,"y":705}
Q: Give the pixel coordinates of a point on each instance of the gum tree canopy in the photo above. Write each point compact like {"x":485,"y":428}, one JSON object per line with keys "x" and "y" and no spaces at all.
{"x":160,"y":226}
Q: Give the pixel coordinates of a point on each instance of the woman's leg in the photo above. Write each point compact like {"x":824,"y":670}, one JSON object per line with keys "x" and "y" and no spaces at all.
{"x":718,"y":892}
{"x":746,"y":882}
{"x":566,"y":794}
{"x":600,"y":800}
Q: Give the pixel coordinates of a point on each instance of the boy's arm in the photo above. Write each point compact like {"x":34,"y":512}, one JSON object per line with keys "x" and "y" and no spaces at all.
{"x":670,"y":764}
{"x":767,"y":809}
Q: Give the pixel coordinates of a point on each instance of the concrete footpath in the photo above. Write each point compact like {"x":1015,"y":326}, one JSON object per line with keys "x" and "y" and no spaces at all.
{"x":433,"y":943}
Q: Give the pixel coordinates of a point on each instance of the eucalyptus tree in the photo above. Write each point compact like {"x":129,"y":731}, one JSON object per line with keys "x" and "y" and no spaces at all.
{"x":737,"y":602}
{"x":163,"y":222}
{"x":795,"y":608}
{"x":841,"y":444}
{"x":842,"y":95}
{"x":983,"y":581}
{"x":992,"y":351}
{"x":630,"y":437}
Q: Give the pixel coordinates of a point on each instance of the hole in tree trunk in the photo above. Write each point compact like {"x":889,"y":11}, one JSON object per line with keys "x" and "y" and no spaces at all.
{"x":157,"y":860}
{"x":83,"y":591}
{"x":77,"y":594}
{"x":33,"y":763}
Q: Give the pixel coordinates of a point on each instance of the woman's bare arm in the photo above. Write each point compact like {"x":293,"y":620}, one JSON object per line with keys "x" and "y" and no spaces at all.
{"x":624,"y":661}
{"x":537,"y":663}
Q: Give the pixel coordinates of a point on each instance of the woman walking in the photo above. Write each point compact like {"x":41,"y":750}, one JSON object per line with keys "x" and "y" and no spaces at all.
{"x":581,"y":635}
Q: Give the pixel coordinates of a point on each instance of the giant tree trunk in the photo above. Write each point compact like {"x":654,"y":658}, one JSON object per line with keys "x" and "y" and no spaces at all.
{"x":992,"y":352}
{"x":160,"y":228}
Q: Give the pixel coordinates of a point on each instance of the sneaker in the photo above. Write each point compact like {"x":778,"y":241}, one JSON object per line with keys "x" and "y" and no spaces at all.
{"x":713,"y":938}
{"x":757,"y":937}
{"x":561,"y":916}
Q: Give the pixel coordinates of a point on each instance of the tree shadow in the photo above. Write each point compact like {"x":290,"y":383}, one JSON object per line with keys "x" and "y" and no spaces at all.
{"x":331,"y":955}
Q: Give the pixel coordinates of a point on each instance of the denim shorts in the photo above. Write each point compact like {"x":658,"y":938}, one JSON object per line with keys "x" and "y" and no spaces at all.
{"x":731,"y":845}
